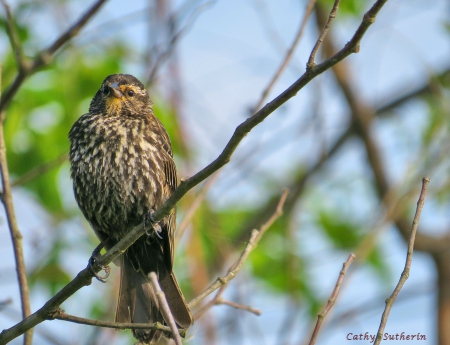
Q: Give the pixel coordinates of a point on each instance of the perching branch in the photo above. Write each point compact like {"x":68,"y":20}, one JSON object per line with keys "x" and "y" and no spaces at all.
{"x":85,"y":276}
{"x":44,"y":57}
{"x":405,"y":274}
{"x":332,"y":299}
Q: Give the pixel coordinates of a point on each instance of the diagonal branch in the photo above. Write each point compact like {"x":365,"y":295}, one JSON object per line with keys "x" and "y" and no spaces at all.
{"x":405,"y":274}
{"x":332,"y":299}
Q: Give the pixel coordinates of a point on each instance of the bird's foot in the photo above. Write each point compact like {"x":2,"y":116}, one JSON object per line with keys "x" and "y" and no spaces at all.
{"x":93,"y":264}
{"x":154,"y":225}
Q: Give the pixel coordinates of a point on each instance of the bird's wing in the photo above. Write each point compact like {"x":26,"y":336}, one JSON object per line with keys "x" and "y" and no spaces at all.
{"x":170,"y":172}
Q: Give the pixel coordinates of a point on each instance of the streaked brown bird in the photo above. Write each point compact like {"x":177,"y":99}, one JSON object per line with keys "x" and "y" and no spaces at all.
{"x":122,"y":169}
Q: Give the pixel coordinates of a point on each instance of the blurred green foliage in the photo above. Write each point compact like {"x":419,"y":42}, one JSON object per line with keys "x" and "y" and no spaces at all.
{"x":351,"y":8}
{"x":345,"y":234}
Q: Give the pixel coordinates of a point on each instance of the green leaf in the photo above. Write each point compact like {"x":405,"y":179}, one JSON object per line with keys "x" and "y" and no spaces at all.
{"x":352,"y":8}
{"x":343,"y":234}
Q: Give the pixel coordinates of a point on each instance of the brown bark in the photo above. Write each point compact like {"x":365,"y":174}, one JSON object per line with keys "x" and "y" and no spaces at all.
{"x":442,"y":261}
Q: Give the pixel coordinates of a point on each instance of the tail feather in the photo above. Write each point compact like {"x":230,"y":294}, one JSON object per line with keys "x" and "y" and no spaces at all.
{"x":176,"y":301}
{"x":138,"y":302}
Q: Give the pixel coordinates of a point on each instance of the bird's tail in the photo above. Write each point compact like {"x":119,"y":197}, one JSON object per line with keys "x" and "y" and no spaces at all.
{"x":138,"y":302}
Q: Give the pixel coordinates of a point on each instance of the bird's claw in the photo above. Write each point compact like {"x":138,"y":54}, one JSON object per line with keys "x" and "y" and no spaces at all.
{"x":93,"y":264}
{"x":157,"y":230}
{"x":92,"y":267}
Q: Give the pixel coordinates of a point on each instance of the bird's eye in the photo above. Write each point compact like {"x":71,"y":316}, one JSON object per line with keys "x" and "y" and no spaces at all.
{"x":105,"y":89}
{"x":130,"y":93}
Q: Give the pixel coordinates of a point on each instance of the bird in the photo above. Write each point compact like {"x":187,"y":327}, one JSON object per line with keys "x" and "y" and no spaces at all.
{"x":122,"y":167}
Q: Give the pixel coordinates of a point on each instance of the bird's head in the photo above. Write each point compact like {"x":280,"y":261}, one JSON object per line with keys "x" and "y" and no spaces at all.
{"x":121,"y":94}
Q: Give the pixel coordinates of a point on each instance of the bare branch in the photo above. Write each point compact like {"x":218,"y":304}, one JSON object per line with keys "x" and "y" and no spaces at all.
{"x":405,"y":274}
{"x":164,"y":308}
{"x":221,"y":301}
{"x":46,"y":56}
{"x":221,"y":281}
{"x":287,"y":58}
{"x":16,"y":236}
{"x":332,"y":299}
{"x":311,"y":63}
{"x":59,"y":314}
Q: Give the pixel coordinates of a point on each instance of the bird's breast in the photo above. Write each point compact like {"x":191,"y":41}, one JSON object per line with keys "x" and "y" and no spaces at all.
{"x":116,"y":171}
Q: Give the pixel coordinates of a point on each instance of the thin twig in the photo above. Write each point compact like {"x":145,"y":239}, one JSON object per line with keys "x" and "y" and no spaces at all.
{"x":13,"y":37}
{"x":311,"y":63}
{"x":405,"y":274}
{"x":44,"y":57}
{"x":332,"y":299}
{"x":16,"y":236}
{"x":221,"y":301}
{"x":287,"y":58}
{"x":40,"y":170}
{"x":84,"y":278}
{"x":221,"y":281}
{"x":202,"y":311}
{"x":164,"y":308}
{"x":236,"y":267}
{"x":61,"y":315}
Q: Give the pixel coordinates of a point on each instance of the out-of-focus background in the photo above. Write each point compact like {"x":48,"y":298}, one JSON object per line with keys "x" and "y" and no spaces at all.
{"x":352,"y":146}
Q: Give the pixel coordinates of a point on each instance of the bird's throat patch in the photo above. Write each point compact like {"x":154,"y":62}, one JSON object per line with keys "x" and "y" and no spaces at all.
{"x":113,"y":105}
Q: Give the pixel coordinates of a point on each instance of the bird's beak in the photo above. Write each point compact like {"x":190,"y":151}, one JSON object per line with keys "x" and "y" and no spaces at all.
{"x":115,"y":90}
